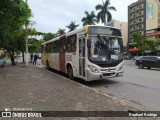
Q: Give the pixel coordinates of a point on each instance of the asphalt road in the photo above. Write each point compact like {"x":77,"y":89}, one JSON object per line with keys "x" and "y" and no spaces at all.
{"x":140,"y":86}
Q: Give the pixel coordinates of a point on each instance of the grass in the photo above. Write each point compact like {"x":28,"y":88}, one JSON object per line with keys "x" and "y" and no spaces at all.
{"x":8,"y":58}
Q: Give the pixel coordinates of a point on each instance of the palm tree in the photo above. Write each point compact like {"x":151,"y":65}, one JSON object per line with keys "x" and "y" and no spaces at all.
{"x":60,"y":32}
{"x":48,"y":36}
{"x":72,"y":26}
{"x":104,"y":11}
{"x":90,"y":19}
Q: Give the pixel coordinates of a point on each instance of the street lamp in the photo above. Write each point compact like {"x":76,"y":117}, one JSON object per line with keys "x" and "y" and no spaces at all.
{"x":26,"y":41}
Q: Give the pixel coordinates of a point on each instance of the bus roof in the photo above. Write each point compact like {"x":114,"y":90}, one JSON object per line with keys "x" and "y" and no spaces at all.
{"x":84,"y":28}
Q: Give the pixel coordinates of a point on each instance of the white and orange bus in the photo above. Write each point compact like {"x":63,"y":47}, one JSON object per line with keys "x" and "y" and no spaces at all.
{"x":92,"y":52}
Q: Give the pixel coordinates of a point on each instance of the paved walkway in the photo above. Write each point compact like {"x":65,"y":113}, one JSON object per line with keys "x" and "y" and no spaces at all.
{"x":34,"y":87}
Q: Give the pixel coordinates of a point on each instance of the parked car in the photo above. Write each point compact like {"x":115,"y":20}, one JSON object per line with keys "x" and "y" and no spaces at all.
{"x":126,"y":57}
{"x":137,"y":57}
{"x":148,"y":61}
{"x":2,"y":61}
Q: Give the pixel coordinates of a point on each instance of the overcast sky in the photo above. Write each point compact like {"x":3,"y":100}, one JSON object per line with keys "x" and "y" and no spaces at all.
{"x":50,"y":15}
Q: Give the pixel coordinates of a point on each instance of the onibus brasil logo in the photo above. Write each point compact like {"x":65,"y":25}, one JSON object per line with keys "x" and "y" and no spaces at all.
{"x":9,"y":113}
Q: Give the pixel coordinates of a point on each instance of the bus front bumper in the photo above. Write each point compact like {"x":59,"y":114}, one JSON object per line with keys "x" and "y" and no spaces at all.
{"x":101,"y":75}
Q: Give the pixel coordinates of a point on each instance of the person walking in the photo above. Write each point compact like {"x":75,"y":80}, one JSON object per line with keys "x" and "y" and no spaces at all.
{"x":31,"y":56}
{"x":35,"y":59}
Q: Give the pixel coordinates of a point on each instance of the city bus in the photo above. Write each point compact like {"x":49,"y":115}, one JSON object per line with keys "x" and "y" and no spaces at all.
{"x":92,"y":52}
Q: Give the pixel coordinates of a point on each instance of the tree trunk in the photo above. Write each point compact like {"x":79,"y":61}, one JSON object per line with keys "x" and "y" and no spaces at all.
{"x":12,"y":57}
{"x":12,"y":60}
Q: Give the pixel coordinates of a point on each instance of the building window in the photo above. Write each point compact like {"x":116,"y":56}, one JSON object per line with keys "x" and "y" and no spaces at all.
{"x":140,"y":26}
{"x":140,"y":20}
{"x":140,"y":6}
{"x":140,"y":13}
{"x":140,"y":32}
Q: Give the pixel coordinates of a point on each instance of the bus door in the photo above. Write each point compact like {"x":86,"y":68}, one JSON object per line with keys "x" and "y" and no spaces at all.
{"x":82,"y":56}
{"x":62,"y":55}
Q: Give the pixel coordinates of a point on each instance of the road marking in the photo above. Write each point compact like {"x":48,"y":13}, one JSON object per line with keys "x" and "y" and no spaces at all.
{"x":123,"y":101}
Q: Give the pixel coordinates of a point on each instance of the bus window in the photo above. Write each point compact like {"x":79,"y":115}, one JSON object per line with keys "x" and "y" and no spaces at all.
{"x":47,"y":48}
{"x":71,"y":44}
{"x":68,"y":48}
{"x":57,"y":46}
{"x":50,"y":47}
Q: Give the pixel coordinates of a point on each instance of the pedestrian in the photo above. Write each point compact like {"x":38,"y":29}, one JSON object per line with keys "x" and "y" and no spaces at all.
{"x":31,"y":57}
{"x":35,"y":59}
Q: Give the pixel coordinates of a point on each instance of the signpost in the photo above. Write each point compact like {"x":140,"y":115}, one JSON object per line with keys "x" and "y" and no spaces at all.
{"x":26,"y":41}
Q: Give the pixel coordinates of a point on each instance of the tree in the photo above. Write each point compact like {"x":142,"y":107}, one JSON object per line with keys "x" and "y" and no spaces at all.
{"x":72,"y":26}
{"x":49,"y":36}
{"x":104,"y":11}
{"x":34,"y":45}
{"x":14,"y":14}
{"x":143,"y":43}
{"x":90,"y":19}
{"x":60,"y":32}
{"x":29,"y":32}
{"x":157,"y":44}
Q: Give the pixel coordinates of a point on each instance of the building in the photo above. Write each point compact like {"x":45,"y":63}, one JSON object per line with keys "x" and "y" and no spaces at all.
{"x":123,"y":26}
{"x":143,"y":16}
{"x":153,"y":34}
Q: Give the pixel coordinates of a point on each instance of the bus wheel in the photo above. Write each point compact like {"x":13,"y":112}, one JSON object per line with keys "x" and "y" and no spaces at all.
{"x":48,"y":65}
{"x":70,"y":72}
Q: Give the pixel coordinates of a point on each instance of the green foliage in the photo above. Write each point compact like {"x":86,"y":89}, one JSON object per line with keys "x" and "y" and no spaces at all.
{"x":48,"y":36}
{"x":60,"y":32}
{"x":143,"y":43}
{"x":90,"y":18}
{"x":157,"y":43}
{"x":104,"y":11}
{"x":34,"y":45}
{"x":72,"y":26}
{"x":33,"y":32}
{"x":14,"y":14}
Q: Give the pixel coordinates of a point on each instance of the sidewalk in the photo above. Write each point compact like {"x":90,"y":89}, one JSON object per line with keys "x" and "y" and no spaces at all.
{"x":36,"y":88}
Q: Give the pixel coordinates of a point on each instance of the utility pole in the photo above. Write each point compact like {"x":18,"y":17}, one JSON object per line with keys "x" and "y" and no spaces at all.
{"x":26,"y":41}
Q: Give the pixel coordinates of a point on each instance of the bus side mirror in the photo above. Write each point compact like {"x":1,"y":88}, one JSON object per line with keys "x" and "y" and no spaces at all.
{"x":89,"y":43}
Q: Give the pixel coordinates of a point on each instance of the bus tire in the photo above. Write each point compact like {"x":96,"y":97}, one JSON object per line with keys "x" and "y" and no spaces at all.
{"x":70,"y":72}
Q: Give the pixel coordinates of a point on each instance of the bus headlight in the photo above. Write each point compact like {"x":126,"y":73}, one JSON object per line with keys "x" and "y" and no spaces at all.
{"x":120,"y":68}
{"x":93,"y":68}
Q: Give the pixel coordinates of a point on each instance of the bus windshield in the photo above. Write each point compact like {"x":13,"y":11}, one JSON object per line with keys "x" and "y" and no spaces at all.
{"x":103,"y":48}
{"x":94,"y":30}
